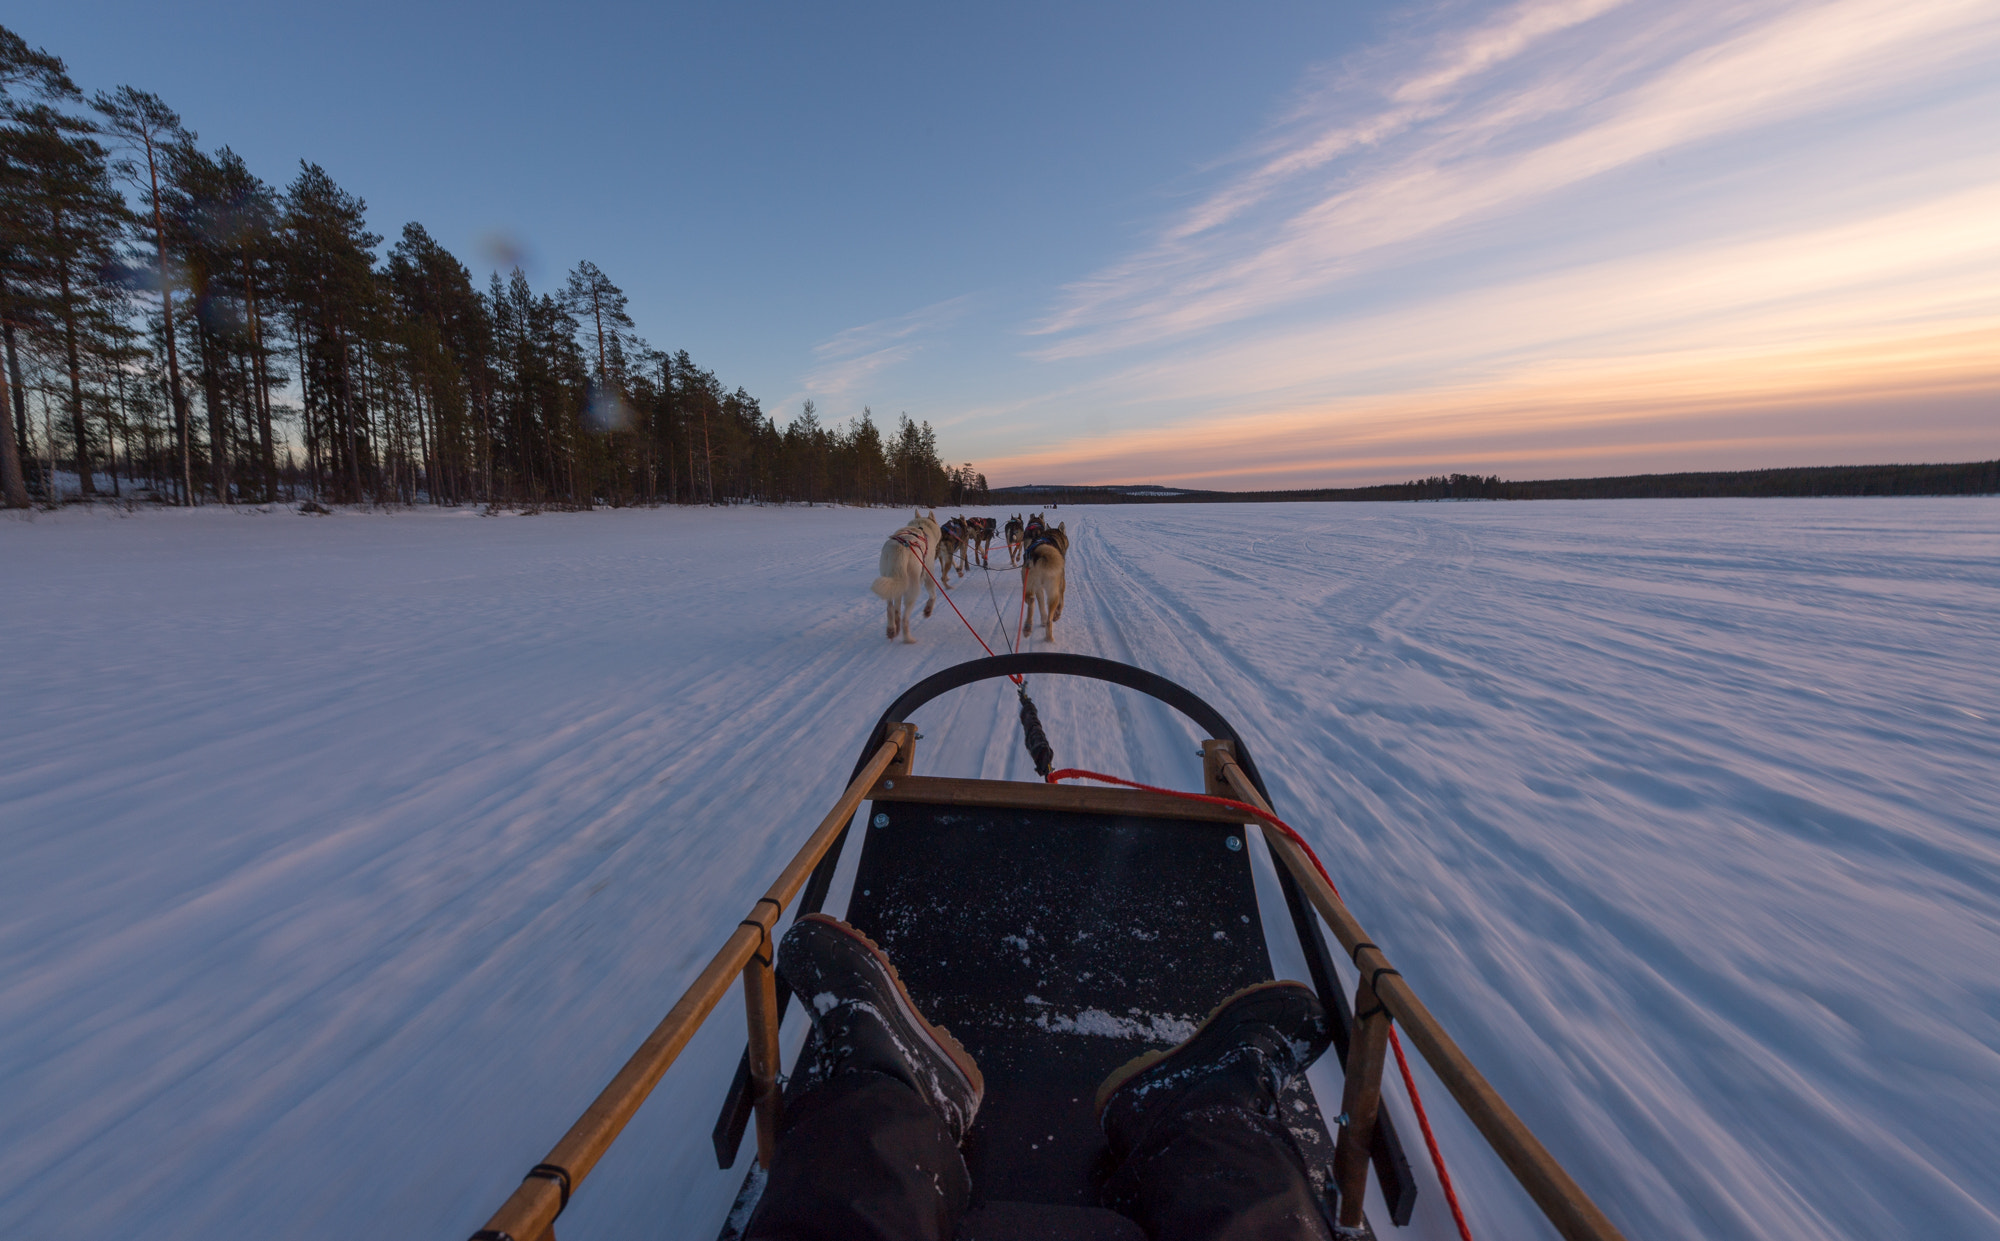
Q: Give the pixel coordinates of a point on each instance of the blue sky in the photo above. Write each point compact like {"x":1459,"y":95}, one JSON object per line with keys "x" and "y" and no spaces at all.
{"x":1247,"y":245}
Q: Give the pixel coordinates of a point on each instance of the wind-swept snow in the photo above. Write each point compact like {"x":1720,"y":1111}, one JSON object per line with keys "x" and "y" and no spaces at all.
{"x":346,"y":858}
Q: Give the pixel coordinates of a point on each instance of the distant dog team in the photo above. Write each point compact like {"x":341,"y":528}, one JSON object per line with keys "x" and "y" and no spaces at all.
{"x":908,"y":555}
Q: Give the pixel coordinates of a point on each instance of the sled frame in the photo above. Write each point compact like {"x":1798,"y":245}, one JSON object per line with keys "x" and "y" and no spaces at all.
{"x":530,"y":1211}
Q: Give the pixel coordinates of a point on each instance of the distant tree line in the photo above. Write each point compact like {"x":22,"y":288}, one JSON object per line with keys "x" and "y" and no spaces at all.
{"x":1965,"y":478}
{"x":193,"y":334}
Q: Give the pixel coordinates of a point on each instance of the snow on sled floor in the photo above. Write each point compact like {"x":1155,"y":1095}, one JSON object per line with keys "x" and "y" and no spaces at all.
{"x":347,"y":857}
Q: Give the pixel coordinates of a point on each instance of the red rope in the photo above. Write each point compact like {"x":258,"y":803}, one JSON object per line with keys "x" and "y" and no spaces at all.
{"x":1430,"y":1139}
{"x":1265,"y":816}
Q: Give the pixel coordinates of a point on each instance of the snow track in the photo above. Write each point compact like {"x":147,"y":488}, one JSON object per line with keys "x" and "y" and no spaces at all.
{"x":348,"y":857}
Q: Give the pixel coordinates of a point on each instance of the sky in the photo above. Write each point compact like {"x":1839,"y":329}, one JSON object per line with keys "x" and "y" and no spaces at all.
{"x":1256,"y":245}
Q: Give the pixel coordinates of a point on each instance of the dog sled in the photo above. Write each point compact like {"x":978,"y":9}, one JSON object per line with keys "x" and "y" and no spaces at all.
{"x":1055,"y":929}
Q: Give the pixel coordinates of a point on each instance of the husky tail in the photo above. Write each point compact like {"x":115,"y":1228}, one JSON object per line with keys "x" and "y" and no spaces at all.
{"x":895,"y":570}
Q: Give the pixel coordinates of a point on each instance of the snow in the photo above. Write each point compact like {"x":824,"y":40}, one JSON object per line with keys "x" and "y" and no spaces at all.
{"x":1162,"y":1028}
{"x":348,"y":857}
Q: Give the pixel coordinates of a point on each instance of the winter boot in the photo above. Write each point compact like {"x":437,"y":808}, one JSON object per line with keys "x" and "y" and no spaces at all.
{"x":1200,"y":1148}
{"x":866,"y":1022}
{"x":1250,"y":1048}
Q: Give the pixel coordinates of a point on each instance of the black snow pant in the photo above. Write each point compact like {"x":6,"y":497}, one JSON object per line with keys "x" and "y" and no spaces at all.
{"x":863,"y":1158}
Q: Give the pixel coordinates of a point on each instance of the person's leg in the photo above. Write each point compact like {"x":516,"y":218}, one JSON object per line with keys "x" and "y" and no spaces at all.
{"x":1202,"y":1151}
{"x":869,"y":1150}
{"x":862,"y":1157}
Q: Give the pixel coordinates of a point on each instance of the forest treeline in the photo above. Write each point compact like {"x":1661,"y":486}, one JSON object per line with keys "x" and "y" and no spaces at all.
{"x":175,"y":327}
{"x":1956,"y":479}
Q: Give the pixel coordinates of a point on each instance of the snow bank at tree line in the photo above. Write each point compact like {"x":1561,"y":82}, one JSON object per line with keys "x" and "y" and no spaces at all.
{"x":347,"y":857}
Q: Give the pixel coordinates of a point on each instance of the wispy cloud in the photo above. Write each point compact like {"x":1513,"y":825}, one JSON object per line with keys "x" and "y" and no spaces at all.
{"x":1933,"y":263}
{"x":1420,"y":151}
{"x":1318,"y":131}
{"x":844,"y":363}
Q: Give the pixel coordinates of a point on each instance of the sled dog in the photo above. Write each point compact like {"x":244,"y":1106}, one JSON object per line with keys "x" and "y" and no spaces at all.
{"x":982,"y":530}
{"x":903,"y":559}
{"x":1014,"y":531}
{"x":952,"y":537}
{"x":1042,"y":579}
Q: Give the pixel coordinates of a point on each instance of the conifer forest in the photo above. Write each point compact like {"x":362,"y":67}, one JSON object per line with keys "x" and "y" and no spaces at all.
{"x":179,"y":330}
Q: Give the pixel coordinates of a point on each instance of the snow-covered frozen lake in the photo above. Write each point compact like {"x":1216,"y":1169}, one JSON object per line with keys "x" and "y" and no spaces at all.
{"x":346,"y":858}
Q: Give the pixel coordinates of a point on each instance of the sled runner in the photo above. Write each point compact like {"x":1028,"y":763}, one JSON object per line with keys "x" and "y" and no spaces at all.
{"x":1057,"y":930}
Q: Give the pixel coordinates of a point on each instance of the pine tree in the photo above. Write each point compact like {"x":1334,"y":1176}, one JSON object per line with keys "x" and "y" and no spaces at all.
{"x":34,"y":73}
{"x":69,"y":220}
{"x":248,"y":237}
{"x":221,"y":224}
{"x":449,"y":337}
{"x":595,"y":301}
{"x":326,"y":254}
{"x":149,"y":127}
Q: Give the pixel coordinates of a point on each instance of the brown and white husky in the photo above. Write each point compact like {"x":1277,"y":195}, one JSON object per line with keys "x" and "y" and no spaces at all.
{"x":1042,"y":576}
{"x":980,"y":530}
{"x":1014,"y":529}
{"x":952,"y":536}
{"x":903,"y":559}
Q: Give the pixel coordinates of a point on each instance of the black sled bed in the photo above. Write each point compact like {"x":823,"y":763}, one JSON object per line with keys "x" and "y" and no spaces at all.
{"x":1057,"y":931}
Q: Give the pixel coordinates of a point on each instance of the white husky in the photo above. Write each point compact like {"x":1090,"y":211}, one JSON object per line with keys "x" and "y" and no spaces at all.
{"x":903,"y":559}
